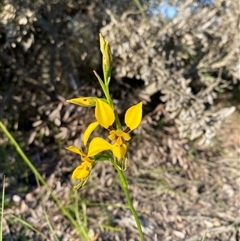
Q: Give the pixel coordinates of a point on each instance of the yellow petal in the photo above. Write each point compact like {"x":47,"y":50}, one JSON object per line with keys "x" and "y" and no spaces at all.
{"x":83,"y":101}
{"x":133,"y":116}
{"x":77,"y":150}
{"x":112,"y":136}
{"x":119,"y":148}
{"x":104,"y":114}
{"x":89,"y":131}
{"x":126,"y":136}
{"x":82,"y":171}
{"x":98,"y":145}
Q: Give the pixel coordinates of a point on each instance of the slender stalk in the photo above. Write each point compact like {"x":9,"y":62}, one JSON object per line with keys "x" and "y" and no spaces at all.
{"x":118,"y":123}
{"x":129,"y":200}
{"x":107,"y":66}
{"x":80,"y":229}
{"x":109,"y":99}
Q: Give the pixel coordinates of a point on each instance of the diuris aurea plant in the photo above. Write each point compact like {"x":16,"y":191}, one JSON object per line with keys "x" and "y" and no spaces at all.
{"x":115,"y":147}
{"x":107,"y":117}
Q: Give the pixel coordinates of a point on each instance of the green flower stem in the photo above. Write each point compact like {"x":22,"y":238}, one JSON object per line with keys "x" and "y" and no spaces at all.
{"x":109,"y":99}
{"x":126,"y":192}
{"x":79,"y":228}
{"x":118,"y":123}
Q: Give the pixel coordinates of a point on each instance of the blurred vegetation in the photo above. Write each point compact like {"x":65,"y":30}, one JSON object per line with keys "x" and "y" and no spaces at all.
{"x":172,"y":56}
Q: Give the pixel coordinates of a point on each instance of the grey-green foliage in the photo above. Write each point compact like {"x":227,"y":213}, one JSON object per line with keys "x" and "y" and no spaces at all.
{"x":48,"y":49}
{"x":40,"y":40}
{"x":52,"y":41}
{"x":189,"y":59}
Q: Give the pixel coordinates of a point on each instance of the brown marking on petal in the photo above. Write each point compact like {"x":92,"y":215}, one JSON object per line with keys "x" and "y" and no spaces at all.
{"x":110,"y":128}
{"x":127,"y":130}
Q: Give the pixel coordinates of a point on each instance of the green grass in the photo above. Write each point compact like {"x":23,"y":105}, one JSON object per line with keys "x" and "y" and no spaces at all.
{"x":79,"y":225}
{"x":26,"y":225}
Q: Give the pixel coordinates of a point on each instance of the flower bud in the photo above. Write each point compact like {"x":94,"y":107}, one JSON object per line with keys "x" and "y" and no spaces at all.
{"x":107,"y":59}
{"x":83,"y":101}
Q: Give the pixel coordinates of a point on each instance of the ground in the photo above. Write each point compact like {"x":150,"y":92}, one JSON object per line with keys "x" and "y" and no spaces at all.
{"x":200,"y":202}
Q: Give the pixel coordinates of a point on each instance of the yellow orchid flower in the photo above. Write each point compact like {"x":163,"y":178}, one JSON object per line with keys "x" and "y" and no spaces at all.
{"x":105,"y":117}
{"x":82,"y":172}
